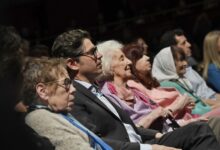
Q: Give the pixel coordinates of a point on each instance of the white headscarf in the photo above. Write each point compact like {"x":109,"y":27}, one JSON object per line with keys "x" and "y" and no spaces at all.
{"x":164,"y":66}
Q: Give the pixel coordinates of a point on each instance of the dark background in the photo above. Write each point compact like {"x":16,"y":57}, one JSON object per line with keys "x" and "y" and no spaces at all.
{"x":40,"y":21}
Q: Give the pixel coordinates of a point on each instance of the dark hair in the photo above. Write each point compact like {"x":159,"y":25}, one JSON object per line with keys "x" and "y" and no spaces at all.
{"x":10,"y":65}
{"x":39,"y":50}
{"x":135,"y":52}
{"x":178,"y":53}
{"x":10,"y":41}
{"x":69,"y":43}
{"x":168,"y":38}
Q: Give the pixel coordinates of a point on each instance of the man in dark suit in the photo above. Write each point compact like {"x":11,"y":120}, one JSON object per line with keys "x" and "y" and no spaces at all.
{"x":107,"y":120}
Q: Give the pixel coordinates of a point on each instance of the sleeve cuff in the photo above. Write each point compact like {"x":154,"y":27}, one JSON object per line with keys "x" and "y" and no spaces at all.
{"x":145,"y":147}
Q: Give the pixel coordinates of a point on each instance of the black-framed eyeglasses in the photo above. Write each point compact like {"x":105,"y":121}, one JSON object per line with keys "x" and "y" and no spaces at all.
{"x":66,"y":83}
{"x":92,"y":52}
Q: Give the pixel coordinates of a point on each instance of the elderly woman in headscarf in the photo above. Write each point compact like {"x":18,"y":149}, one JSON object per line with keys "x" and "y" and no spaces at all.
{"x":169,"y":67}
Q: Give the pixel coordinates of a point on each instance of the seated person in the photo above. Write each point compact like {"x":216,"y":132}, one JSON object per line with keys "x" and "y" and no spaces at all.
{"x":143,"y":81}
{"x":16,"y":134}
{"x":49,"y":93}
{"x":211,"y":62}
{"x":169,"y":67}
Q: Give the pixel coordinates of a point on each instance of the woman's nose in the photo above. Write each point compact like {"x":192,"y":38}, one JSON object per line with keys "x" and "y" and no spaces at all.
{"x":99,"y":55}
{"x":188,"y":44}
{"x":185,"y":63}
{"x":72,"y":89}
{"x":147,"y":57}
{"x":128,"y":61}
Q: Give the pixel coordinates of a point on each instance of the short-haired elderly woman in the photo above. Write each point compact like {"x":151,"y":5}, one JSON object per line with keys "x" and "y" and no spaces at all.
{"x":49,"y":93}
{"x":117,"y":71}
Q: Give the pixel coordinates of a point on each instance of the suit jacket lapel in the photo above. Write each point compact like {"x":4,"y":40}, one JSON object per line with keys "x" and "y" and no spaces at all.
{"x":80,"y":88}
{"x":124,"y":118}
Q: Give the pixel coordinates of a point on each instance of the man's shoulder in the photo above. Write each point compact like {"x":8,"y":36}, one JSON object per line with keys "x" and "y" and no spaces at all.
{"x":190,"y":72}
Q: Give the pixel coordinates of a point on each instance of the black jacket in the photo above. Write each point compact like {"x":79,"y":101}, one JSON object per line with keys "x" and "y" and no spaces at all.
{"x":91,"y":112}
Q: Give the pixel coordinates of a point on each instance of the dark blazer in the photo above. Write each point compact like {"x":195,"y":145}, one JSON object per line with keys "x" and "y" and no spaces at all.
{"x":91,"y":112}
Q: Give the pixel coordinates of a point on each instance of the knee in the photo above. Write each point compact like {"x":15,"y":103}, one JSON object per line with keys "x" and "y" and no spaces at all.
{"x":200,"y":127}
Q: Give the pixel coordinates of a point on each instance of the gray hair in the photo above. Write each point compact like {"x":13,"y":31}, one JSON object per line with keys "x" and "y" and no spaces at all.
{"x":107,"y":49}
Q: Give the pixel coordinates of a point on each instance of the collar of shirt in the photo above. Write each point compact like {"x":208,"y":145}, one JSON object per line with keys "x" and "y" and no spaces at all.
{"x":85,"y":84}
{"x":133,"y":136}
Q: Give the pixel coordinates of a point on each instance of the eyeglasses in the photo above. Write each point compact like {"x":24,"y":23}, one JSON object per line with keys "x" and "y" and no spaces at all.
{"x":92,"y":52}
{"x":66,"y":83}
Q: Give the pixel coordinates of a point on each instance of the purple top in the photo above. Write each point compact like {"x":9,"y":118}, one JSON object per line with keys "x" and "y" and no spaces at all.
{"x":142,"y":105}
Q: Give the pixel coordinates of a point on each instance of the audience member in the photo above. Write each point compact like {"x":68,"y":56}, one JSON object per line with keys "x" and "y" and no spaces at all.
{"x":49,"y":93}
{"x":143,"y":81}
{"x":212,"y":59}
{"x":178,"y":38}
{"x":136,"y":104}
{"x":169,"y":68}
{"x":16,"y":135}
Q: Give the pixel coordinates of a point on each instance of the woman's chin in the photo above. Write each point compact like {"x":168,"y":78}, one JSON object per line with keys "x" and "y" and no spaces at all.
{"x":181,"y":74}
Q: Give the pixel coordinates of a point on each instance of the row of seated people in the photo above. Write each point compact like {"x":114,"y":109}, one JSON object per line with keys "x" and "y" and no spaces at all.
{"x":53,"y":99}
{"x":135,"y":95}
{"x":102,"y":114}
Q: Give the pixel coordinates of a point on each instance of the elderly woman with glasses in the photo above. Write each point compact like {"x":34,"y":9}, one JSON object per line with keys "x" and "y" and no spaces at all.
{"x":49,"y":93}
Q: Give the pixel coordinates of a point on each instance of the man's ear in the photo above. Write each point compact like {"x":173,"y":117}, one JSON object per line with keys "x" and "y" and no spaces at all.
{"x":72,"y":64}
{"x":42,"y":91}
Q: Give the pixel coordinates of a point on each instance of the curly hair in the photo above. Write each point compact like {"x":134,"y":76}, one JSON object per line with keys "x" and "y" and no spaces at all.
{"x":39,"y":70}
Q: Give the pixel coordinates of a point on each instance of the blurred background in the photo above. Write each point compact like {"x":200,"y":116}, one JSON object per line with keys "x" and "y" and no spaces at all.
{"x":40,"y":21}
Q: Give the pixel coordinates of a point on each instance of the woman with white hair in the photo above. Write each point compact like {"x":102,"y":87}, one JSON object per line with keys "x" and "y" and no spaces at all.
{"x":142,"y":110}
